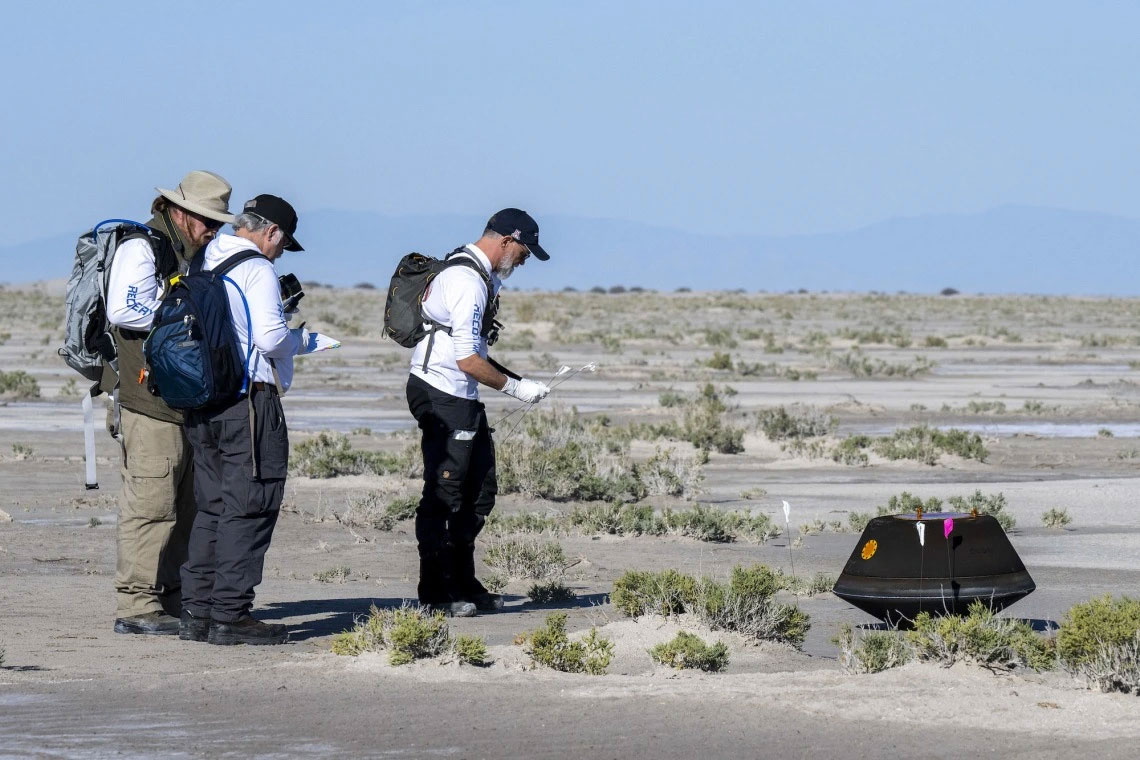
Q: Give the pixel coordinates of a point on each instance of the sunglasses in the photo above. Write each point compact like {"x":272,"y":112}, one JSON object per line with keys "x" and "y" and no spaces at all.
{"x":211,"y":224}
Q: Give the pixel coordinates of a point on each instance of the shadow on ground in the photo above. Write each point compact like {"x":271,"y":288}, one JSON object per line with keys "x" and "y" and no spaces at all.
{"x":335,"y":615}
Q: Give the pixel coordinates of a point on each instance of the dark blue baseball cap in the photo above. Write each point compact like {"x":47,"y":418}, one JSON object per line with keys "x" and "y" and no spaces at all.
{"x":520,"y":225}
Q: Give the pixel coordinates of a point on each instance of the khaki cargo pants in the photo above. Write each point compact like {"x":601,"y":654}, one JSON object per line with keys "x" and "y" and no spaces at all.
{"x":156,"y":512}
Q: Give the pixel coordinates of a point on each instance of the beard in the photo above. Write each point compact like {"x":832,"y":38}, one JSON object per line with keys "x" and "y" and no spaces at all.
{"x":505,"y":269}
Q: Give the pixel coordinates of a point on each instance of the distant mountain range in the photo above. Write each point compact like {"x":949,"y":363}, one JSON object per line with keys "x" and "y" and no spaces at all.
{"x":1010,"y":249}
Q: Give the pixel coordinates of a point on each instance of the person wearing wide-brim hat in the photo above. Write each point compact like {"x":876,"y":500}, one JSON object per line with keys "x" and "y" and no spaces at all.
{"x":157,"y":508}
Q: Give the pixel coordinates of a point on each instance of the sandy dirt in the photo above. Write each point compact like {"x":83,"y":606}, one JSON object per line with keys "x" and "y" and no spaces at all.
{"x":71,"y":688}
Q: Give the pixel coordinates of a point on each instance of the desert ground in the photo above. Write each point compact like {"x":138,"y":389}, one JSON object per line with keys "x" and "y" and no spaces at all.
{"x":1051,"y":386}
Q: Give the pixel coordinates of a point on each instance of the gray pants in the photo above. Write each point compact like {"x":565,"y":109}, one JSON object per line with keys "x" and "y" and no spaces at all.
{"x":237,"y":506}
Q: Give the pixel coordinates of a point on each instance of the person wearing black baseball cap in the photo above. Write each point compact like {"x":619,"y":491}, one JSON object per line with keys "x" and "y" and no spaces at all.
{"x":448,"y":366}
{"x":520,"y":226}
{"x":241,"y":449}
{"x":278,"y":211}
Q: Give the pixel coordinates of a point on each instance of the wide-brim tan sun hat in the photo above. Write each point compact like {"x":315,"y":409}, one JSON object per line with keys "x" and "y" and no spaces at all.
{"x":204,"y":193}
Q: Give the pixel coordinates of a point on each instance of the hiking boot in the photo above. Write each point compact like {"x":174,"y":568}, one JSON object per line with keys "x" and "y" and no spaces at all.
{"x":152,"y":623}
{"x":486,"y":601}
{"x":247,"y":630}
{"x":452,"y":609}
{"x":192,"y":627}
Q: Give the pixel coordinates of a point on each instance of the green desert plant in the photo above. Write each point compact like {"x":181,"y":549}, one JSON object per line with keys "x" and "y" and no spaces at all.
{"x":551,"y":647}
{"x":994,"y":505}
{"x":719,"y":361}
{"x":471,"y":650}
{"x":495,"y":582}
{"x":562,"y":456}
{"x":526,"y":558}
{"x":820,"y":583}
{"x":407,"y":633}
{"x":850,"y":450}
{"x":375,"y":510}
{"x":526,"y":522}
{"x":338,"y":574}
{"x":779,"y":425}
{"x":639,"y":592}
{"x":18,"y":384}
{"x":870,"y":651}
{"x":920,"y":443}
{"x":1092,"y":628}
{"x":550,"y":591}
{"x":22,"y":451}
{"x":745,"y":604}
{"x":1055,"y":518}
{"x":616,"y":519}
{"x":328,"y":455}
{"x":982,"y":638}
{"x":926,"y":444}
{"x":687,"y":650}
{"x":709,"y":524}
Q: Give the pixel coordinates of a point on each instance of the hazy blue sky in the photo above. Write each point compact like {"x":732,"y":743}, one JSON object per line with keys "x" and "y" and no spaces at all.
{"x":735,"y":117}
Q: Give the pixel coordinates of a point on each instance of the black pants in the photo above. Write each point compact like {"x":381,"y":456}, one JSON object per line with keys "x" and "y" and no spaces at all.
{"x":237,"y":507}
{"x":459,"y":490}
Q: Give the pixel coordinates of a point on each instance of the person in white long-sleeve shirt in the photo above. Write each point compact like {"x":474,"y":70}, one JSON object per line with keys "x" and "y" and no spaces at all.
{"x":156,"y":508}
{"x":241,"y":450}
{"x":448,"y":366}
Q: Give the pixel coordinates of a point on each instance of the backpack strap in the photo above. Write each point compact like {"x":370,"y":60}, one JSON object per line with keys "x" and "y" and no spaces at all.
{"x":454,"y":259}
{"x":232,"y":261}
{"x":165,"y":260}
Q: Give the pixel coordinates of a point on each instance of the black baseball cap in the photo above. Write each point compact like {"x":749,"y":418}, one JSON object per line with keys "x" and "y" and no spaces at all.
{"x":276,"y":210}
{"x":519,"y":225}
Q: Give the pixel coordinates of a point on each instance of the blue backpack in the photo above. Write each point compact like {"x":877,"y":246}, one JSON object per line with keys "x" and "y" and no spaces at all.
{"x":193,"y":357}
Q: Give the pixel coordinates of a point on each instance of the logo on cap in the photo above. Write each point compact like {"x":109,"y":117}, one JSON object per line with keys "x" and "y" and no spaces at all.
{"x":251,"y":204}
{"x":517,"y":235}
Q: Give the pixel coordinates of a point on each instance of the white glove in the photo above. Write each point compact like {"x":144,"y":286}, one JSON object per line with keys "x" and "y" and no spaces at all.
{"x":530,"y":391}
{"x":304,"y":337}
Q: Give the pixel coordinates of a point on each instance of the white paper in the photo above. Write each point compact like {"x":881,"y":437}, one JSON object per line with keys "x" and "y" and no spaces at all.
{"x":318,"y":342}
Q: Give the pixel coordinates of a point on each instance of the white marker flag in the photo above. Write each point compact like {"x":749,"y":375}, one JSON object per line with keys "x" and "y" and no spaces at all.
{"x":787,"y":511}
{"x":921,"y":528}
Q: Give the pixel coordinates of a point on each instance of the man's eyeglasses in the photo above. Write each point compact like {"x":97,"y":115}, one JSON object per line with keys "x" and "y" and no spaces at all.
{"x":211,"y":224}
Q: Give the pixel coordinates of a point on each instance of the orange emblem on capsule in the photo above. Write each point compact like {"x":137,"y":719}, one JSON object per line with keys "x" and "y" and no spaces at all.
{"x":869,"y":549}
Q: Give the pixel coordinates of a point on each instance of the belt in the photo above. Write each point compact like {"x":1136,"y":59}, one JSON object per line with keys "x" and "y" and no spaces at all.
{"x":262,"y":386}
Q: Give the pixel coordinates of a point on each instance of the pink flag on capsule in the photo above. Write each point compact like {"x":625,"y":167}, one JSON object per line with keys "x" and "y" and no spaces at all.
{"x":947,"y":527}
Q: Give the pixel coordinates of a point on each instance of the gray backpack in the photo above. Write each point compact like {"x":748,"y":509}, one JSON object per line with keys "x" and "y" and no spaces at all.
{"x":88,"y":343}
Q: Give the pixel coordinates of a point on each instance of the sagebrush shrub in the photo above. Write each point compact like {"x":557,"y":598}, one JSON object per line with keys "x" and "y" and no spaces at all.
{"x":407,"y":633}
{"x":980,"y":637}
{"x":1091,"y":626}
{"x":550,"y":591}
{"x":779,"y":425}
{"x":551,"y":647}
{"x":687,"y":650}
{"x":471,"y":650}
{"x":870,"y":651}
{"x":744,"y":605}
{"x":18,"y":384}
{"x":526,"y":558}
{"x":328,"y":455}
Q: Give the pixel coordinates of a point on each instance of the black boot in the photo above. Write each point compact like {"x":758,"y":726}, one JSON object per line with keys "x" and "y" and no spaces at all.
{"x":193,"y":627}
{"x":247,"y":630}
{"x":470,"y":589}
{"x":436,"y":588}
{"x":153,"y":623}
